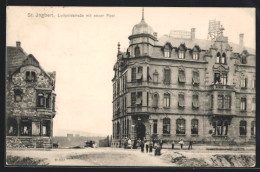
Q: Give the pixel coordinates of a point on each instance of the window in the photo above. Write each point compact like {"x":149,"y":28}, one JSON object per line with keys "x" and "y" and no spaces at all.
{"x":30,"y":76}
{"x":167,"y":76}
{"x":133,"y":99}
{"x":36,"y":128}
{"x":223,"y":78}
{"x":220,"y":78}
{"x":227,"y":102}
{"x":166,"y":100}
{"x":253,"y":128}
{"x":12,"y":127}
{"x":139,"y":75}
{"x":166,"y":126}
{"x":181,"y":52}
{"x":155,"y":77}
{"x":253,"y":83}
{"x":220,"y":102}
{"x":195,"y":78}
{"x":139,"y":99}
{"x":195,"y":55}
{"x":137,"y":51}
{"x":243,"y":83}
{"x":180,"y":126}
{"x":225,"y":128}
{"x":244,"y":58}
{"x":155,"y":100}
{"x":53,"y":103}
{"x":195,"y":101}
{"x":181,"y":103}
{"x":117,"y":130}
{"x":148,"y":75}
{"x":253,"y":104}
{"x":44,"y":100}
{"x":18,"y":95}
{"x":133,"y":75}
{"x":223,"y":58}
{"x":181,"y":77}
{"x":243,"y":104}
{"x":218,"y":58}
{"x":194,"y":126}
{"x":167,"y":53}
{"x":242,"y":128}
{"x":155,"y":126}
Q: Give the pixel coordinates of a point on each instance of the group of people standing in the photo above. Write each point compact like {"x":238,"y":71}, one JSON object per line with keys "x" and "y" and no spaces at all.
{"x":182,"y":143}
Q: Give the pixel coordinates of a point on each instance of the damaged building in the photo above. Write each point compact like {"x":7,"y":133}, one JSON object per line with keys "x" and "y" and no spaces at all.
{"x":179,"y":87}
{"x":30,"y":100}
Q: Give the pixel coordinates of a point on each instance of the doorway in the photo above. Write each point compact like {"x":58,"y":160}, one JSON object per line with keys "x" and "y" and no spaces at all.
{"x":140,"y":131}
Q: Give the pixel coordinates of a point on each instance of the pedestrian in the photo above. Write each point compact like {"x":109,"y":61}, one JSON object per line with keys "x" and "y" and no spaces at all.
{"x":134,"y":145}
{"x":173,"y":144}
{"x":142,"y":146}
{"x":190,"y":145}
{"x":151,"y":147}
{"x":181,"y":143}
{"x":161,"y":143}
{"x":129,"y":143}
{"x":147,"y":146}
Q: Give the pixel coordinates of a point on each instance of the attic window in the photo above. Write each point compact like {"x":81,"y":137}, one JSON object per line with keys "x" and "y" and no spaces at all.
{"x":181,"y":53}
{"x":195,"y":54}
{"x":167,"y":51}
{"x":30,"y":76}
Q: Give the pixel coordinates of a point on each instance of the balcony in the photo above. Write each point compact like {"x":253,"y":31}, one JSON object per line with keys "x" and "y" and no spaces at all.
{"x":220,"y":87}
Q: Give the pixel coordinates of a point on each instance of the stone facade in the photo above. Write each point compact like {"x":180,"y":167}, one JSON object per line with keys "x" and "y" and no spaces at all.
{"x":30,"y":99}
{"x":183,"y":88}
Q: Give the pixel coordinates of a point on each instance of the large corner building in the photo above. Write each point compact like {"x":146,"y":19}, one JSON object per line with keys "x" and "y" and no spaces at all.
{"x":179,"y":87}
{"x":30,"y":100}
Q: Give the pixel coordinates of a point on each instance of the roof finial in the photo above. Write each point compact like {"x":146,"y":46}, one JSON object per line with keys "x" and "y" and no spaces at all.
{"x":143,"y":13}
{"x":118,"y":46}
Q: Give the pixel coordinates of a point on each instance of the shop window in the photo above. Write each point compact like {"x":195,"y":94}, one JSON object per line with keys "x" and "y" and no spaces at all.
{"x":12,"y":127}
{"x":253,"y":128}
{"x":26,"y":128}
{"x":194,"y":126}
{"x":166,"y":125}
{"x":30,"y":76}
{"x":180,"y":126}
{"x":242,"y":128}
{"x":155,"y":100}
{"x":181,"y":76}
{"x":195,"y":101}
{"x":195,"y":78}
{"x":181,"y":102}
{"x":137,"y":51}
{"x":167,"y":76}
{"x":18,"y":95}
{"x":166,"y":100}
{"x":243,"y":104}
{"x":36,"y":128}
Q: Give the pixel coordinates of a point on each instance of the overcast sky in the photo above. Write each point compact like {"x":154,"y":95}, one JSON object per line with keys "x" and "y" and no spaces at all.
{"x":82,"y":50}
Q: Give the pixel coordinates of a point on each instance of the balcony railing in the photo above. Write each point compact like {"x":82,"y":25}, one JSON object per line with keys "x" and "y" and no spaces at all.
{"x":220,"y":86}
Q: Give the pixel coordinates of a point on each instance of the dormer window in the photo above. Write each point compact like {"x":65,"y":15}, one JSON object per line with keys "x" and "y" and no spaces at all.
{"x":244,"y":57}
{"x":181,"y":53}
{"x":30,"y":76}
{"x":167,"y":53}
{"x":167,"y":50}
{"x":137,"y":51}
{"x":195,"y":53}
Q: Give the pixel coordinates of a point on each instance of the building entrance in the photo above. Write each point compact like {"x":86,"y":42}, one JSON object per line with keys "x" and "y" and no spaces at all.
{"x":140,"y":131}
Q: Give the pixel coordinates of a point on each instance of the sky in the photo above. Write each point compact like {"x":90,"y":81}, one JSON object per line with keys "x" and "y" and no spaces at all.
{"x":82,"y":50}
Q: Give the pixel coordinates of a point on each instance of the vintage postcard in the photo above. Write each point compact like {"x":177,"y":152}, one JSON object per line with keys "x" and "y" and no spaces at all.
{"x":130,"y":86}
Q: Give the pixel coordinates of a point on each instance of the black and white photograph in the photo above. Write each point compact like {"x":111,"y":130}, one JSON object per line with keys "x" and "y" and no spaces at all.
{"x":130,"y":86}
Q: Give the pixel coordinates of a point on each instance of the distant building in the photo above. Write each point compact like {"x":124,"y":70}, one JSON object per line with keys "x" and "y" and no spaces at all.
{"x":180,"y":87}
{"x":30,"y":99}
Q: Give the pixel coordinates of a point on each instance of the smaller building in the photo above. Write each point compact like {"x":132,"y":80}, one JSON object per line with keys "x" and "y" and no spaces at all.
{"x":30,"y":100}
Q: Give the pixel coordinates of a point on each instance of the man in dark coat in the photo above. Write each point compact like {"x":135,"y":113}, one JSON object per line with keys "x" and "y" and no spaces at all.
{"x":142,"y":146}
{"x":190,"y":145}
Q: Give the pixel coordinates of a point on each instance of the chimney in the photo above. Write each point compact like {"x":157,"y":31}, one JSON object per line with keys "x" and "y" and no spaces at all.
{"x":241,"y":41}
{"x":155,"y":34}
{"x":18,"y":44}
{"x":192,"y":33}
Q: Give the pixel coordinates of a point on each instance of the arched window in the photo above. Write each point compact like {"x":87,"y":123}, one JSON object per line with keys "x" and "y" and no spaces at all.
{"x":167,"y":51}
{"x":181,"y":52}
{"x":137,"y":51}
{"x":18,"y":95}
{"x":223,"y":58}
{"x":219,"y":128}
{"x":166,"y":100}
{"x":180,"y":126}
{"x":242,"y":128}
{"x":195,"y":54}
{"x":243,"y":104}
{"x":166,"y":125}
{"x":155,"y":77}
{"x":30,"y":76}
{"x":195,"y":101}
{"x":218,"y":58}
{"x":253,"y":128}
{"x":194,"y":126}
{"x":155,"y":100}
